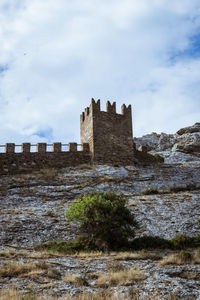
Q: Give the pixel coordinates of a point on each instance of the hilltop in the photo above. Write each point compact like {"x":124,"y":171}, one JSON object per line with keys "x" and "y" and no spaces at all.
{"x":164,"y":197}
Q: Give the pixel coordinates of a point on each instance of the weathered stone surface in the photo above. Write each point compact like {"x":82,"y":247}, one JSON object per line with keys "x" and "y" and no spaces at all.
{"x":188,"y":143}
{"x":149,"y":140}
{"x":166,"y":141}
{"x":109,"y":134}
{"x":33,"y":210}
{"x":189,"y":129}
{"x":186,"y":140}
{"x":12,"y":163}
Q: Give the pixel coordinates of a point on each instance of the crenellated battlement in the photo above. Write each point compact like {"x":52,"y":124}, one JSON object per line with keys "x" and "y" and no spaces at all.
{"x":10,"y":148}
{"x":95,"y":108}
{"x":106,"y":137}
{"x":108,"y":133}
{"x":41,"y":155}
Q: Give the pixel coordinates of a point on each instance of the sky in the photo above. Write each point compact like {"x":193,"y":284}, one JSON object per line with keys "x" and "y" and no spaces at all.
{"x":57,"y":55}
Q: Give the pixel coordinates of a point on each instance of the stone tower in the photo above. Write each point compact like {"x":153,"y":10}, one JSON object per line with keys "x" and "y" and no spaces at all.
{"x":109,"y":134}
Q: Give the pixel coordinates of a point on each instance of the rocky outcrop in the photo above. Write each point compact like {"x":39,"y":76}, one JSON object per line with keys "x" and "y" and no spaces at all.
{"x":189,"y":129}
{"x":188,"y":143}
{"x":186,"y":140}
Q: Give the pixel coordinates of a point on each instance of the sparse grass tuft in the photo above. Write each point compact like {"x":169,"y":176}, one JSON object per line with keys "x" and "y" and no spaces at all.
{"x":15,"y":269}
{"x":77,"y":279}
{"x":105,"y":295}
{"x":149,"y":191}
{"x":126,"y":276}
{"x":183,"y":257}
{"x":143,"y":255}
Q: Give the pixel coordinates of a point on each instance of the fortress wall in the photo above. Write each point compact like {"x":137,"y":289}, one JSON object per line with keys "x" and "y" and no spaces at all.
{"x":11,"y":162}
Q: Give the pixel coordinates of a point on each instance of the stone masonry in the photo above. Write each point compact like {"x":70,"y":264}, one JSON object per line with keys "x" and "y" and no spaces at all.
{"x":106,"y":137}
{"x":108,"y":134}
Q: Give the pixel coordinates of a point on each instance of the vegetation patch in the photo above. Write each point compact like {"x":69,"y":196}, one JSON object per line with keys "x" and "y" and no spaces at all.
{"x":183,"y":257}
{"x":77,"y":279}
{"x":126,"y":276}
{"x":15,"y":269}
{"x":159,"y":158}
{"x":149,"y":191}
{"x":65,"y":247}
{"x":150,"y":242}
{"x":141,"y":255}
{"x":104,"y":220}
{"x":183,"y":241}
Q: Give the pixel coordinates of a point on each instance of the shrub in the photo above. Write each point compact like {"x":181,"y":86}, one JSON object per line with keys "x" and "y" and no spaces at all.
{"x":183,"y":241}
{"x":181,"y":258}
{"x":64,"y":247}
{"x":103,"y":219}
{"x":149,"y":191}
{"x":159,"y":158}
{"x":150,"y":242}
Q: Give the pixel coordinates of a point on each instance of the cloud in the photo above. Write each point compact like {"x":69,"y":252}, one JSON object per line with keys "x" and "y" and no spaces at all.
{"x":56,"y":55}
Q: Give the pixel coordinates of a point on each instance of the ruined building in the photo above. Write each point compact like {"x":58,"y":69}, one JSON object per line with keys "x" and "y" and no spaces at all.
{"x":108,"y":133}
{"x":106,"y":137}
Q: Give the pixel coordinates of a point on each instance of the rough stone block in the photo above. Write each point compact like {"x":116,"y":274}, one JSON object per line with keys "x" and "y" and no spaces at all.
{"x":72,"y":147}
{"x":10,"y":148}
{"x":57,"y":147}
{"x":26,"y":147}
{"x":85,"y":147}
{"x":41,"y":147}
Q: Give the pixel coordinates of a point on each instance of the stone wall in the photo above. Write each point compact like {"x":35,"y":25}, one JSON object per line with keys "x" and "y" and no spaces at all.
{"x":108,"y":133}
{"x":106,"y":137}
{"x":11,"y":162}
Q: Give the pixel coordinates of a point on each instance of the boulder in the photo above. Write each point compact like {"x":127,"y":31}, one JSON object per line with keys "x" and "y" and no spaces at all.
{"x":150,"y":141}
{"x":188,"y":143}
{"x":166,"y":142}
{"x":189,"y":129}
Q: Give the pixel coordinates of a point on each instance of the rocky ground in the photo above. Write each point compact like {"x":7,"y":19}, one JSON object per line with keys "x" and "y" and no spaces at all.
{"x":164,"y":198}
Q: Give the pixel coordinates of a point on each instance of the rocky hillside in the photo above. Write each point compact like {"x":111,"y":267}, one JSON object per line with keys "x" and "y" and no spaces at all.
{"x":165,"y":199}
{"x":186,"y":140}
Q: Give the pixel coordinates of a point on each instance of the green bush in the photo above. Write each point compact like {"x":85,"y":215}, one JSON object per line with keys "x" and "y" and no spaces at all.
{"x":150,"y":242}
{"x":159,"y":158}
{"x":64,"y":247}
{"x":103,"y":220}
{"x":183,"y":241}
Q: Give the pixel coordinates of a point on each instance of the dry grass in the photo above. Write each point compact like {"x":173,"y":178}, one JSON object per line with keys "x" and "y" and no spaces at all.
{"x":4,"y":254}
{"x":76,"y":279}
{"x":89,"y":255}
{"x":137,"y":255}
{"x":118,"y":255}
{"x":85,"y":167}
{"x":126,"y":276}
{"x":15,"y":269}
{"x":181,"y":258}
{"x":107,"y":295}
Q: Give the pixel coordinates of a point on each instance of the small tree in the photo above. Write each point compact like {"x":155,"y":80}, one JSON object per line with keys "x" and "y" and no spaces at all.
{"x":103,"y":219}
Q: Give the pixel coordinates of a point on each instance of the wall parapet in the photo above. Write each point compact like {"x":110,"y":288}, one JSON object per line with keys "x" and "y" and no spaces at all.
{"x":10,"y":148}
{"x":95,"y":107}
{"x":13,"y":162}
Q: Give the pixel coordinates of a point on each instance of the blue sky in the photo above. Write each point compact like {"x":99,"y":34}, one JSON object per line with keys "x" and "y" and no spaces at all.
{"x":56,"y":55}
